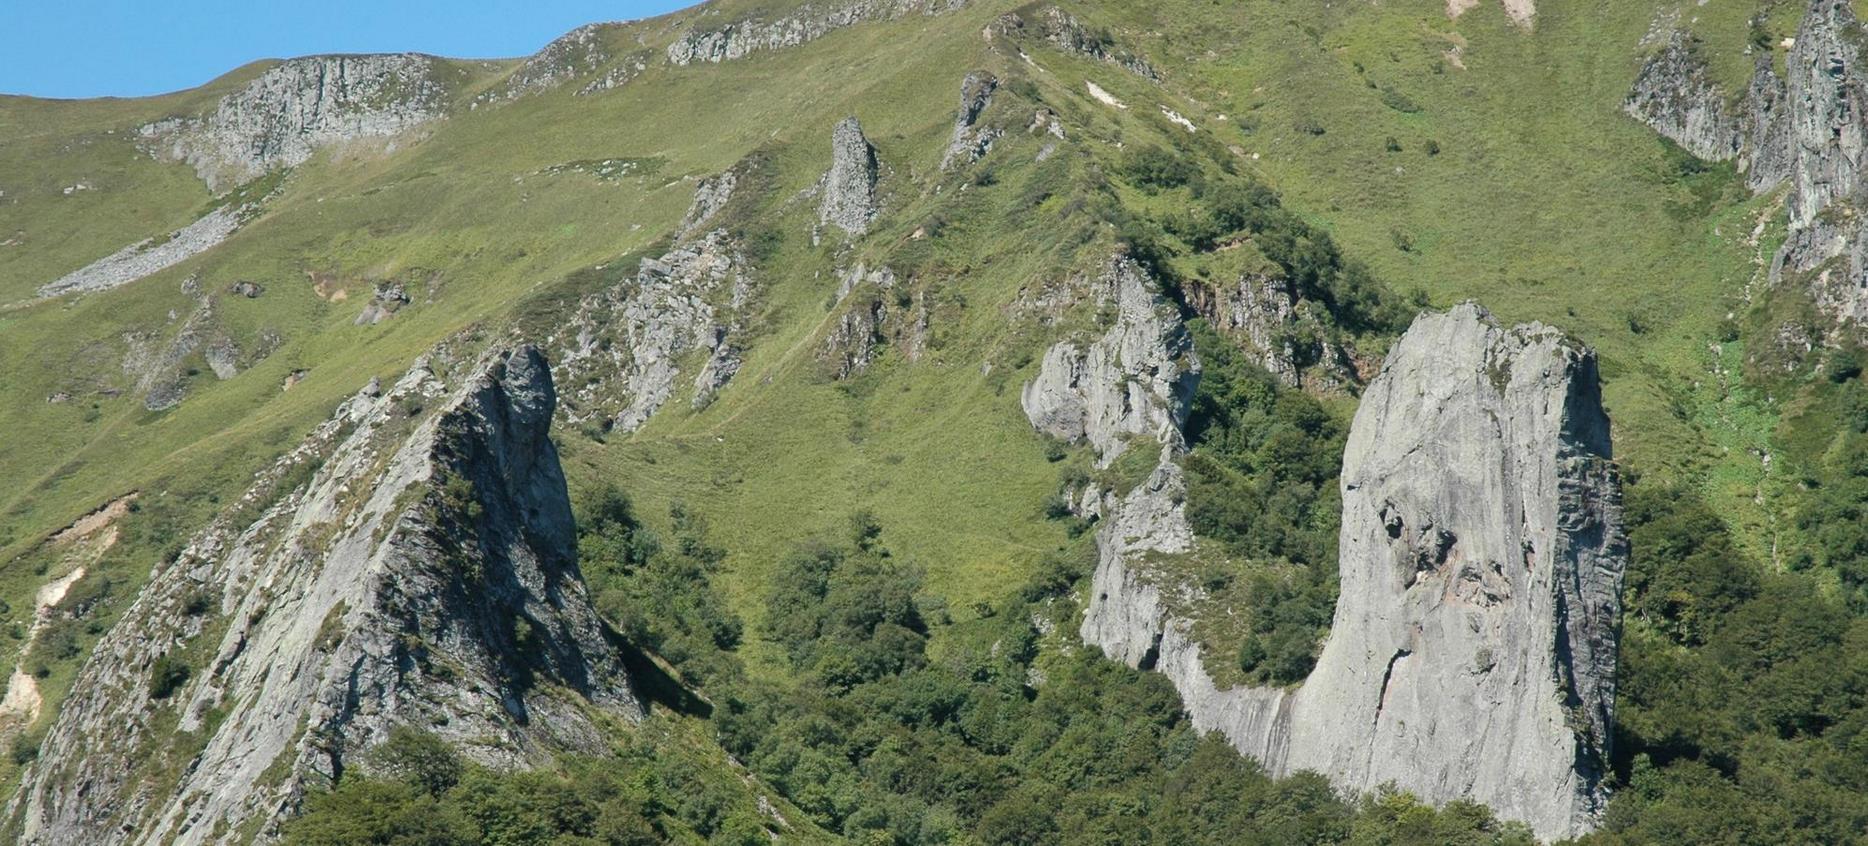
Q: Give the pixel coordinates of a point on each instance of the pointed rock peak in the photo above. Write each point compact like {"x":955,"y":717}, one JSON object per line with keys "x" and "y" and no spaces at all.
{"x":1472,"y":654}
{"x":970,"y":140}
{"x":849,"y":189}
{"x":426,"y":575}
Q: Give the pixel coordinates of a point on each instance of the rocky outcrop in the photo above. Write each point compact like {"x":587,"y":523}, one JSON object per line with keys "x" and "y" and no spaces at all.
{"x":293,"y":109}
{"x":1807,"y":128}
{"x":809,"y":22}
{"x":1675,"y":95}
{"x":970,"y":140}
{"x":1137,"y":379}
{"x":1766,"y":157}
{"x":624,"y":347}
{"x":1278,"y":328}
{"x":1063,"y":31}
{"x":1473,"y":649}
{"x":849,"y":188}
{"x":424,"y":576}
{"x":580,"y":52}
{"x":160,"y":368}
{"x":150,"y":256}
{"x":878,"y":311}
{"x":390,"y":297}
{"x":710,"y":197}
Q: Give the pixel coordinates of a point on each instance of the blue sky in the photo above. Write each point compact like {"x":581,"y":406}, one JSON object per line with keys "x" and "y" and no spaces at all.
{"x":127,"y":48}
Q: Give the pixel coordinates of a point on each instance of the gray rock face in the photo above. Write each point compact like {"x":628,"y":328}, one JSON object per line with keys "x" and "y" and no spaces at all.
{"x":624,"y":347}
{"x":1766,"y":157}
{"x":281,"y":118}
{"x":808,"y":23}
{"x":849,"y":188}
{"x":148,"y":257}
{"x":425,"y":576}
{"x":1473,"y":649}
{"x":878,"y":311}
{"x":1137,"y":379}
{"x":580,"y":52}
{"x":1277,"y":327}
{"x":1827,"y":91}
{"x":1065,"y":32}
{"x":1807,"y":128}
{"x":970,"y":140}
{"x":1675,"y":96}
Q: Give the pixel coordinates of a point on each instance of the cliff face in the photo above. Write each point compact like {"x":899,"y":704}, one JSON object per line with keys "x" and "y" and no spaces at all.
{"x":1473,"y":649}
{"x":1676,"y":96}
{"x":1807,"y":128}
{"x":1136,"y":380}
{"x":425,"y":575}
{"x":281,"y":118}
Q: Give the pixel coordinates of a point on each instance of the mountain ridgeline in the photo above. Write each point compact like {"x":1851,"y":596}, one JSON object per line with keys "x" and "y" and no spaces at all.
{"x":952,"y":422}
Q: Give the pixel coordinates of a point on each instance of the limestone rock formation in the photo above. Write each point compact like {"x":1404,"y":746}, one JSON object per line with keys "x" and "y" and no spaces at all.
{"x":389,"y":299}
{"x":970,"y":140}
{"x":623,"y":349}
{"x":1137,"y":379}
{"x":1063,"y":31}
{"x":1675,"y":96}
{"x":159,"y":368}
{"x":580,"y":52}
{"x":1807,"y":128}
{"x":298,"y":106}
{"x":807,"y":23}
{"x":710,"y":196}
{"x":1264,"y":313}
{"x":1473,"y":649}
{"x":849,"y":188}
{"x":425,"y":575}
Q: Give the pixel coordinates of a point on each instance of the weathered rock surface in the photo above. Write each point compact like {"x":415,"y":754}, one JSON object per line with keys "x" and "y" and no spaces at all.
{"x":291,"y":110}
{"x":1807,"y":128}
{"x":580,"y":52}
{"x":1137,"y":379}
{"x":878,"y":311}
{"x":1675,"y":95}
{"x":1065,"y":32}
{"x":808,"y":23}
{"x":849,"y":188}
{"x":971,"y":141}
{"x":624,"y":347}
{"x":389,"y":299}
{"x":1264,"y":313}
{"x":159,"y":368}
{"x":710,"y":196}
{"x":1473,"y":649}
{"x":426,"y":575}
{"x":150,"y":256}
